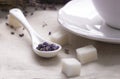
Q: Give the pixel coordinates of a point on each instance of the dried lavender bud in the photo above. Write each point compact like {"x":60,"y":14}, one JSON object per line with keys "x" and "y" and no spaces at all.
{"x":25,"y":11}
{"x":47,"y":47}
{"x":23,"y":28}
{"x":55,"y":47}
{"x":44,"y":25}
{"x":52,"y":45}
{"x":21,"y":35}
{"x":43,"y":49}
{"x":36,"y":8}
{"x":6,"y":17}
{"x":45,"y":43}
{"x":25,"y":15}
{"x":66,"y":51}
{"x":7,"y":24}
{"x":31,"y":13}
{"x":49,"y":33}
{"x":12,"y":33}
{"x":40,"y":46}
{"x":52,"y":7}
{"x":43,"y":7}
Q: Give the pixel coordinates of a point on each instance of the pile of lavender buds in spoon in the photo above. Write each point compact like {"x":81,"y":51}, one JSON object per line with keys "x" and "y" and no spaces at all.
{"x":47,"y":47}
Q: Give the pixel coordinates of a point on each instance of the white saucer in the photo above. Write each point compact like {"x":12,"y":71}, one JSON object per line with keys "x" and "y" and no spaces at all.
{"x":82,"y":19}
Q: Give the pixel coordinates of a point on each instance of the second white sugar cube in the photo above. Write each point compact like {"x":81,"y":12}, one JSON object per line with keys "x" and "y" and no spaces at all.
{"x":14,"y":22}
{"x":87,"y":54}
{"x":71,"y":67}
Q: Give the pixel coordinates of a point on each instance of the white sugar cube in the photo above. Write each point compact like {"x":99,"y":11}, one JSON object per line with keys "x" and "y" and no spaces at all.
{"x":87,"y":54}
{"x":71,"y":67}
{"x":12,"y":21}
{"x":59,"y":37}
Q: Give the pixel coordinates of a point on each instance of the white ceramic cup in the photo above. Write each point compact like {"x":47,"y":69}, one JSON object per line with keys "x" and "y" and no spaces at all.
{"x":109,"y":10}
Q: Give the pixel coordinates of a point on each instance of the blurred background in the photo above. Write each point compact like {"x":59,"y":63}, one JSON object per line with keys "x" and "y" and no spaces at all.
{"x":5,"y":5}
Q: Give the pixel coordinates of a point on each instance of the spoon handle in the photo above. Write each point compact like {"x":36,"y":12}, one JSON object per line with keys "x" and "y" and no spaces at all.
{"x":17,"y":13}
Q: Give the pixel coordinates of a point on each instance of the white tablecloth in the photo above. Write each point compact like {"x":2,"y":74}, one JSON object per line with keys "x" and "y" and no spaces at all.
{"x":18,"y":61}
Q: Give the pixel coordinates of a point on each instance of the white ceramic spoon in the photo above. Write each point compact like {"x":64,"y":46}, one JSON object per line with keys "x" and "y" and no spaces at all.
{"x":36,"y":38}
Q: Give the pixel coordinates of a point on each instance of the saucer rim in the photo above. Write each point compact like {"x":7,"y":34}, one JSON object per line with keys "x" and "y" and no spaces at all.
{"x":66,"y":26}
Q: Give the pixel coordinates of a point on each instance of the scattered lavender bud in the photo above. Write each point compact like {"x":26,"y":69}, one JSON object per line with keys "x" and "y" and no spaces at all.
{"x":7,"y":24}
{"x":6,"y":17}
{"x":12,"y":33}
{"x":25,"y":15}
{"x":49,"y":33}
{"x":52,"y":7}
{"x":44,"y":7}
{"x":21,"y":35}
{"x":44,"y":25}
{"x":23,"y":28}
{"x":25,"y":11}
{"x":36,"y":8}
{"x":31,"y":13}
{"x":66,"y":51}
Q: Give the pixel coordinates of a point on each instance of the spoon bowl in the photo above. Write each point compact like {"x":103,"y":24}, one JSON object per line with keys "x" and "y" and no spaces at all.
{"x":36,"y":38}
